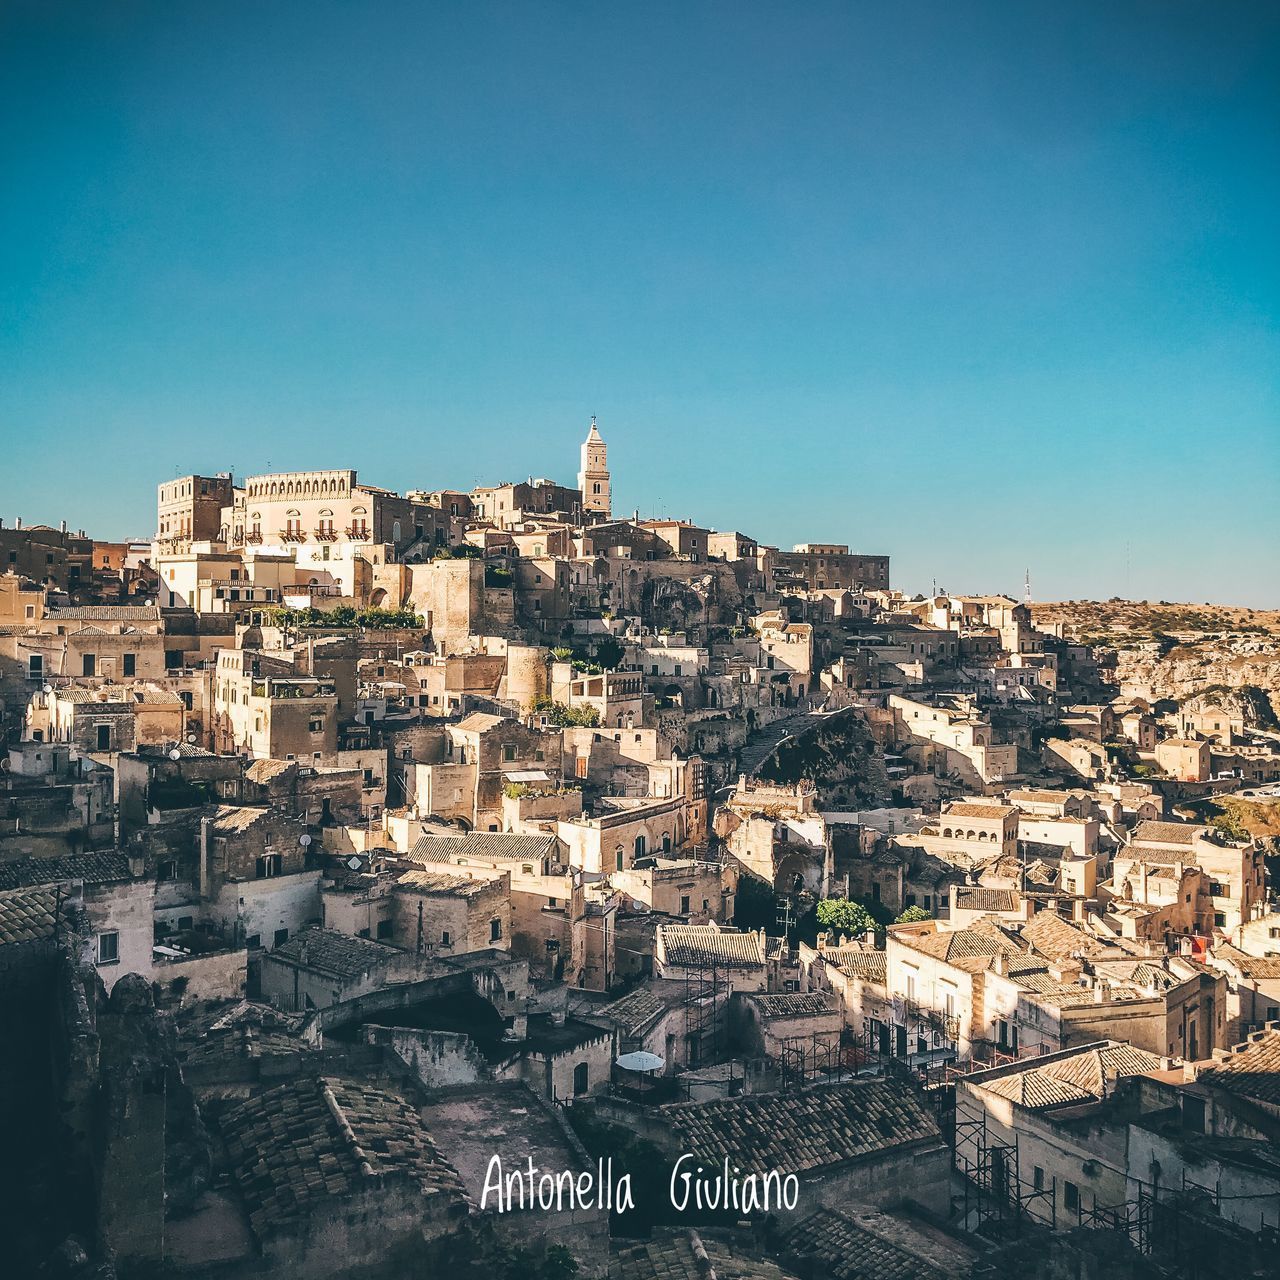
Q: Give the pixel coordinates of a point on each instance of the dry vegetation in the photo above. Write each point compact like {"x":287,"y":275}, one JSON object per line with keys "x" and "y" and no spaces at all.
{"x":1124,"y":624}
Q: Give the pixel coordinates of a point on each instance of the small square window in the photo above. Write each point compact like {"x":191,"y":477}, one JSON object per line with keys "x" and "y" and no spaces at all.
{"x":108,"y":948}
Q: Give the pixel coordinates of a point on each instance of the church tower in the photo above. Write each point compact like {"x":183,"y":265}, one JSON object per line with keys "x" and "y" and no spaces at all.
{"x":593,"y":478}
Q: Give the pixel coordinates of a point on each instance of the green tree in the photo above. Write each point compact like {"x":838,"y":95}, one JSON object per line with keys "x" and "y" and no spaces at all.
{"x":845,"y":916}
{"x":1230,"y":825}
{"x":609,"y":653}
{"x":565,"y":717}
{"x":913,"y":915}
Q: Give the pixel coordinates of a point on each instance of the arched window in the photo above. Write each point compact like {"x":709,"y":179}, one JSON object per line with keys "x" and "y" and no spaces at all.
{"x":666,"y":842}
{"x":395,"y":531}
{"x":618,"y":855}
{"x":641,"y":844}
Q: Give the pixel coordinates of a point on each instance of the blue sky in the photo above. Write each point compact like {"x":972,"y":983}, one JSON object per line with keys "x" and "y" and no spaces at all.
{"x":984,"y":287}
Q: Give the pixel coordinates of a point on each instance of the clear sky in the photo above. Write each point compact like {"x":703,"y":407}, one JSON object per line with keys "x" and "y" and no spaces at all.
{"x":982,"y":286}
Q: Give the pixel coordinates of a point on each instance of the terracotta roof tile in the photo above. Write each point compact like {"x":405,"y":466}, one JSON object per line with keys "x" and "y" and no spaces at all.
{"x":810,"y":1129}
{"x":27,"y":915}
{"x":697,"y":944}
{"x":301,"y":1144}
{"x":92,"y":868}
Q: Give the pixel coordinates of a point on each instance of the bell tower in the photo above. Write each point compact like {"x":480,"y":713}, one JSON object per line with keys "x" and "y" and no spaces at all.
{"x":593,"y":477}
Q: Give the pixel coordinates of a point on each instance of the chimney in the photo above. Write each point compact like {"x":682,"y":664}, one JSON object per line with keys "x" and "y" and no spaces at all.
{"x":17,"y":522}
{"x":63,"y":526}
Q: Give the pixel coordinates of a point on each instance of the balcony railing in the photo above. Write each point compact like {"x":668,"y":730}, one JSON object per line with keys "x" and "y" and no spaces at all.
{"x":254,"y":535}
{"x":326,"y":534}
{"x":292,"y":535}
{"x":358,"y":533}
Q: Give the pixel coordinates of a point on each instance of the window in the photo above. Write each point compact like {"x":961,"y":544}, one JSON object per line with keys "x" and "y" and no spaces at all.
{"x":495,"y":930}
{"x":1219,"y":920}
{"x":445,"y":940}
{"x":684,"y":905}
{"x":88,"y":664}
{"x":280,"y":937}
{"x":581,"y":1074}
{"x":385,"y":928}
{"x":508,"y":752}
{"x":129,"y":664}
{"x":1070,"y":1197}
{"x":1037,"y":1178}
{"x":253,"y":941}
{"x":268,"y":865}
{"x":166,"y":869}
{"x":35,"y":666}
{"x":316,"y":724}
{"x":104,"y":737}
{"x":108,"y":948}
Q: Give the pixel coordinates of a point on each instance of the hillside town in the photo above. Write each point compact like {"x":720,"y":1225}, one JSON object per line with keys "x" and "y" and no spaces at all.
{"x":353,"y":837}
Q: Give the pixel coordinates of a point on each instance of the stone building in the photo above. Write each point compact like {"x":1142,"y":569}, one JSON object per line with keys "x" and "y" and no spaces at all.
{"x":190,"y":509}
{"x":332,"y":1169}
{"x":820,"y":566}
{"x":593,"y":475}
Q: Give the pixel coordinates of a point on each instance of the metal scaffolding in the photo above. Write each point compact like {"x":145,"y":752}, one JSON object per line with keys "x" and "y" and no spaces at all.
{"x":702,"y":987}
{"x":997,"y":1200}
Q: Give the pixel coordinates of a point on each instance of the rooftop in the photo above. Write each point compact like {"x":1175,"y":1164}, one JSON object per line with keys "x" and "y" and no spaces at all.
{"x":300,"y":1144}
{"x":487,"y":846}
{"x":794,"y":1004}
{"x":1251,"y":1069}
{"x":964,"y":809}
{"x":858,"y":962}
{"x":437,"y":882}
{"x":1152,"y":832}
{"x":341,"y":954}
{"x":822,"y":1126}
{"x":973,"y":897}
{"x":699,"y":944}
{"x":91,"y":868}
{"x":27,"y":915}
{"x":1082,"y":1075}
{"x":863,"y":1243}
{"x":686,"y":1254}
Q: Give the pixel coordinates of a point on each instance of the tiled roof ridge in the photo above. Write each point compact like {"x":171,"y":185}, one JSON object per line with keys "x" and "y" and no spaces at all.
{"x":344,"y":1127}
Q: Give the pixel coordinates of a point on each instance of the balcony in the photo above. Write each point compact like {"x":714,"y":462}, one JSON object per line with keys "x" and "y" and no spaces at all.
{"x":358,"y":533}
{"x":254,"y":535}
{"x":292,"y":535}
{"x":326,"y":534}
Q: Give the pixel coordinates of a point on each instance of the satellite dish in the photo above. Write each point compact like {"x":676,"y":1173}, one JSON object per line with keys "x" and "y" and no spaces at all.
{"x":191,"y":738}
{"x":304,"y":840}
{"x":354,"y":863}
{"x":48,"y":688}
{"x":175,"y":754}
